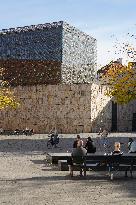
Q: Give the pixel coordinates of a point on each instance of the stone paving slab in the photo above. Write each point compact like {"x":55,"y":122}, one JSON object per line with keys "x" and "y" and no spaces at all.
{"x":26,"y":178}
{"x":21,"y":144}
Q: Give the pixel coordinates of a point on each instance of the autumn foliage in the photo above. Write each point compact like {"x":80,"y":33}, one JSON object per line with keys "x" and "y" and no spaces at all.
{"x":121,"y":81}
{"x":7,"y":98}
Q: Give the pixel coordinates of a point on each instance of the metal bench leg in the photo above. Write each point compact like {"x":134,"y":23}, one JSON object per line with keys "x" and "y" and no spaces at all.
{"x":71,"y":170}
{"x":126,"y":174}
{"x":81,"y":172}
{"x":110,"y":173}
{"x":131,"y":173}
{"x":111,"y":176}
{"x":84,"y":172}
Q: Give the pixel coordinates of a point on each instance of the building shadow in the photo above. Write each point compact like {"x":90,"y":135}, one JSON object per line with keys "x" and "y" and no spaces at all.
{"x":112,"y":116}
{"x":28,"y":146}
{"x":120,"y":184}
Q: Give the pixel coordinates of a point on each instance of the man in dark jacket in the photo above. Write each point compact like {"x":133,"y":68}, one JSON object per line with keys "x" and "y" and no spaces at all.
{"x":77,"y":157}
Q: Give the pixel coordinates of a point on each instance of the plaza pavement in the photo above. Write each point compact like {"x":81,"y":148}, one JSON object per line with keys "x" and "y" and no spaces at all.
{"x":27,"y":178}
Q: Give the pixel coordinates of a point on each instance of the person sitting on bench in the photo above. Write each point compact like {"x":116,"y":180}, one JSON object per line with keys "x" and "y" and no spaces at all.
{"x":130,"y":140}
{"x":90,"y":146}
{"x":76,"y":141}
{"x":132,"y":146}
{"x":77,"y":157}
{"x":117,"y":149}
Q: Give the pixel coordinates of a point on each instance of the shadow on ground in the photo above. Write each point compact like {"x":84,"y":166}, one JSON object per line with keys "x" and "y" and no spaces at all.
{"x":120,"y":184}
{"x":66,"y":144}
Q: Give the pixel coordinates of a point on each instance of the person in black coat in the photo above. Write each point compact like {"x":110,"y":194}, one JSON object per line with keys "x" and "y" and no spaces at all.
{"x":90,"y":146}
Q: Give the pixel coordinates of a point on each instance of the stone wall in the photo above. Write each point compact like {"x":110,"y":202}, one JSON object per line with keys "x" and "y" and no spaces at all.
{"x":100,"y":108}
{"x":68,"y":107}
{"x":71,"y":108}
{"x":125,"y":116}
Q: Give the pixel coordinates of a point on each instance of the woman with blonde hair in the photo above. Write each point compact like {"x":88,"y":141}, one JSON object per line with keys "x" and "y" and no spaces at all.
{"x":117,"y":148}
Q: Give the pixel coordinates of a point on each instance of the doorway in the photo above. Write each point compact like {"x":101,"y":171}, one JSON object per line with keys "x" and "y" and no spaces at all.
{"x":134,"y":122}
{"x":114,"y":117}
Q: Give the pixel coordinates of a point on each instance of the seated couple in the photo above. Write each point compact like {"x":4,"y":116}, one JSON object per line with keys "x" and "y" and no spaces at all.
{"x":79,"y":152}
{"x":89,"y":145}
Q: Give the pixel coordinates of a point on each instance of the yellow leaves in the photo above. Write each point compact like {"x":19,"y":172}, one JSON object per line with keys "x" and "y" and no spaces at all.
{"x":6,"y":95}
{"x":7,"y":99}
{"x":121,"y":80}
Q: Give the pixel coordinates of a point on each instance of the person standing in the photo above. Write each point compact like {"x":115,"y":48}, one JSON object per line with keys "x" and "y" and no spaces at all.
{"x":105,"y":141}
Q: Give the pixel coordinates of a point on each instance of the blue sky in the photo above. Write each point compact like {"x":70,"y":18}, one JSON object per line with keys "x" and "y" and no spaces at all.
{"x":111,"y":22}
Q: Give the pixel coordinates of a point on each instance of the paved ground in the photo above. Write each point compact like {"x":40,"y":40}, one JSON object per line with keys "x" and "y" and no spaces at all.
{"x":26,"y":178}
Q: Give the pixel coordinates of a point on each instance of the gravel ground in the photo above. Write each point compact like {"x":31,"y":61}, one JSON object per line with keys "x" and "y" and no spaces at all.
{"x":27,"y":178}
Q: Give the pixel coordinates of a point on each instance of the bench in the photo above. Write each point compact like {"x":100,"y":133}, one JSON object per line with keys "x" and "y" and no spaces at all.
{"x":7,"y":132}
{"x":111,"y":163}
{"x":63,"y":165}
{"x":101,"y":162}
{"x":55,"y":157}
{"x":16,"y":132}
{"x":122,"y":163}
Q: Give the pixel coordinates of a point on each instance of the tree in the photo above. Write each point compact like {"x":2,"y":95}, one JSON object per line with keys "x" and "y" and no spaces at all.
{"x":121,"y":81}
{"x":7,"y":97}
